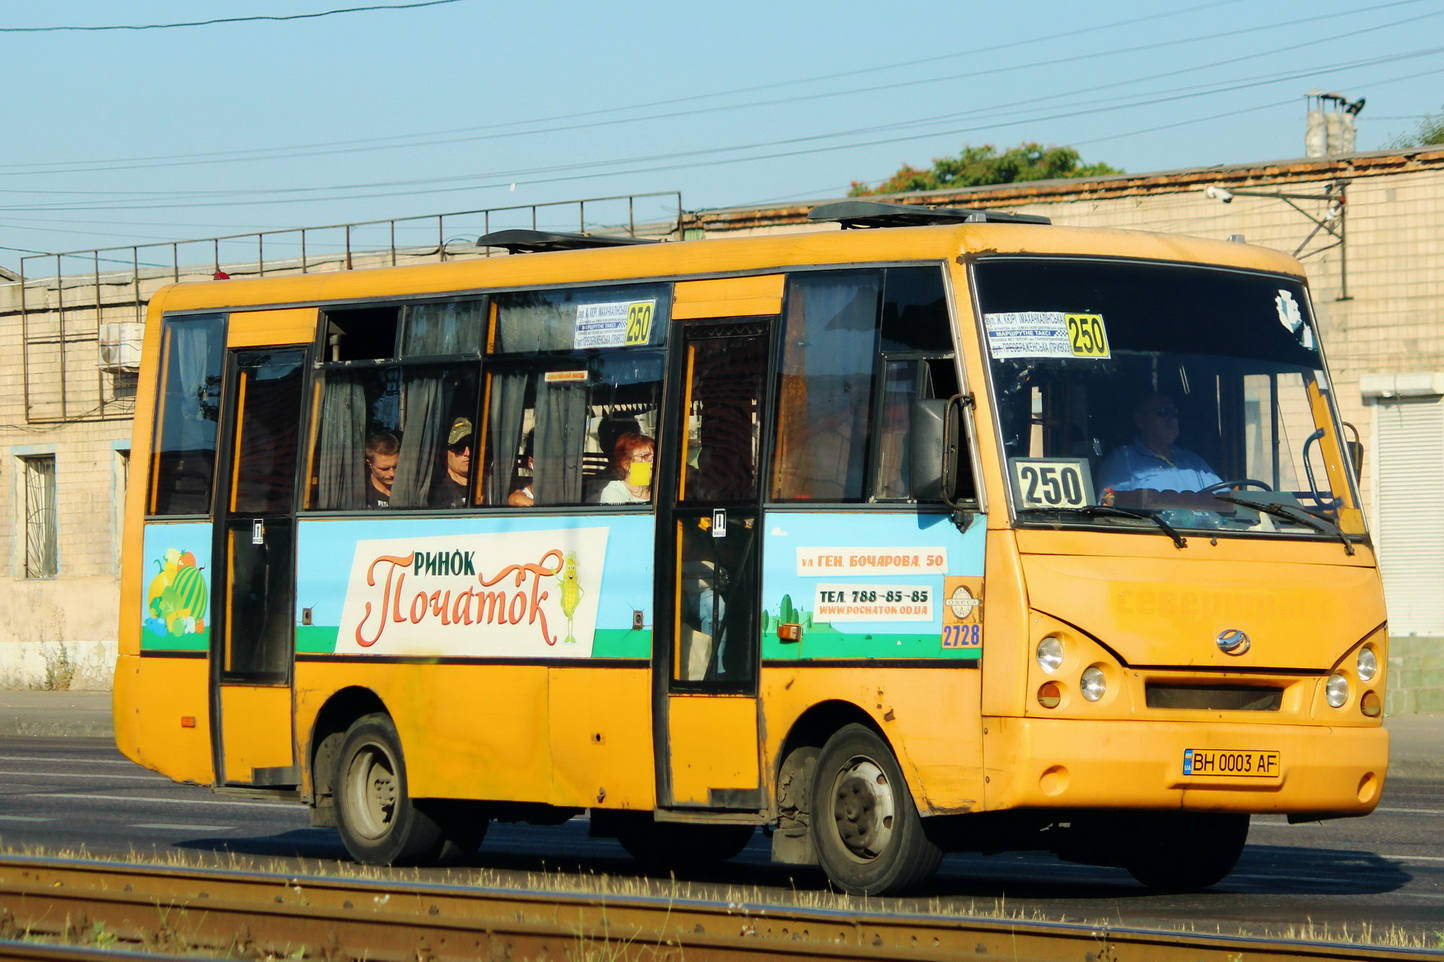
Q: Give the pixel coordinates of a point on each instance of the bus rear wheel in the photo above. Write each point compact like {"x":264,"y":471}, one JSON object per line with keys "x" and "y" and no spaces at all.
{"x":867,"y":831}
{"x":1184,"y":851}
{"x":380,"y":823}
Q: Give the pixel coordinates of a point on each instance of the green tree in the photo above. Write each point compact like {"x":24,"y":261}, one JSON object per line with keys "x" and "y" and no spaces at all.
{"x":980,"y":166}
{"x":1430,"y":131}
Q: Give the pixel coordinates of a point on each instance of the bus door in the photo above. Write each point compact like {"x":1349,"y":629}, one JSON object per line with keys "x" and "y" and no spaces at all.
{"x":252,"y":633}
{"x":709,"y":540}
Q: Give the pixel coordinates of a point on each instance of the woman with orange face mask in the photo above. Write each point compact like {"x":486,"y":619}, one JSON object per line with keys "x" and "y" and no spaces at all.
{"x":632,"y":460}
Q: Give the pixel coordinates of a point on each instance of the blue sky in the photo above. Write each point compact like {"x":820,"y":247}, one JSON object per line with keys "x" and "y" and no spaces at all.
{"x":119,"y":137}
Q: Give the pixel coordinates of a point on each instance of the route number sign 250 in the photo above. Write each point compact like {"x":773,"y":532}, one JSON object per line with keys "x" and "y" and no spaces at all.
{"x":1052,"y":482}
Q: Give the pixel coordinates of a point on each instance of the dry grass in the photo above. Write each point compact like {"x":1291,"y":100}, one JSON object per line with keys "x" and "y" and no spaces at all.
{"x":742,"y":899}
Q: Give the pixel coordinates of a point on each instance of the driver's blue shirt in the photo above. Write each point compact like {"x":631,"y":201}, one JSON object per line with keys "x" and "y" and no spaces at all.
{"x":1133,"y":466}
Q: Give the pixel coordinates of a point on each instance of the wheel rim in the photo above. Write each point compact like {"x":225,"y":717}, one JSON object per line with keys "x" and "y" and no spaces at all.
{"x":862,"y":809}
{"x":372,"y":787}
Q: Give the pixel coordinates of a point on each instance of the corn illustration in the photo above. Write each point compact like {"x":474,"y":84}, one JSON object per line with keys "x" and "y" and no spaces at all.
{"x":571,"y":594}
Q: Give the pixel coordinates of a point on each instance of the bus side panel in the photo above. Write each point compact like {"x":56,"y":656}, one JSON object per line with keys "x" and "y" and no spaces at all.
{"x":162,"y":715}
{"x":601,"y":737}
{"x":467,"y":731}
{"x":928,"y":715}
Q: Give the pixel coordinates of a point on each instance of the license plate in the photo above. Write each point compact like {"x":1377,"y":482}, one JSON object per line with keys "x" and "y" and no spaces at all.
{"x":1231,"y":763}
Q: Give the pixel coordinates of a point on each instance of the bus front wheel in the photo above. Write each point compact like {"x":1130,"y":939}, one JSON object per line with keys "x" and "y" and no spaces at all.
{"x":1184,"y":851}
{"x":379,"y":822}
{"x":867,"y":831}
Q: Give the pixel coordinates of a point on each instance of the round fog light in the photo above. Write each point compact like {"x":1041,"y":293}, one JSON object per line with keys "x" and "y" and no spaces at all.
{"x":1336,"y":690}
{"x":1050,"y":654}
{"x":1092,"y":684}
{"x":1368,"y":665}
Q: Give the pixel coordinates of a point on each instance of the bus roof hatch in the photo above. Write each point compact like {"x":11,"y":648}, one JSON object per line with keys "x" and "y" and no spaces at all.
{"x":520,"y":241}
{"x":872,"y":213}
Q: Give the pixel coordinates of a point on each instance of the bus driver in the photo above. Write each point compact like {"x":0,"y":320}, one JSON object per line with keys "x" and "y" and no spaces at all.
{"x":1152,"y":460}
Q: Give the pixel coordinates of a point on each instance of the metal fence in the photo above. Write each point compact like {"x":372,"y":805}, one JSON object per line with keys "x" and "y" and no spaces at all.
{"x":82,"y":312}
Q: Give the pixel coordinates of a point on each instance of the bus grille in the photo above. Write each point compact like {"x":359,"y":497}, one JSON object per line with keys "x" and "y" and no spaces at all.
{"x":1220,"y":698}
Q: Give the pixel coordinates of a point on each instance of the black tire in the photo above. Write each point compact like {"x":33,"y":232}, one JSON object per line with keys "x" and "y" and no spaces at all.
{"x":868,"y":834}
{"x":379,"y":822}
{"x":1185,"y":851}
{"x":671,"y":845}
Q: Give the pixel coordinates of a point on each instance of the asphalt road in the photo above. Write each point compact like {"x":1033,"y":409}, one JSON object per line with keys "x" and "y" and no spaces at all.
{"x":78,"y":795}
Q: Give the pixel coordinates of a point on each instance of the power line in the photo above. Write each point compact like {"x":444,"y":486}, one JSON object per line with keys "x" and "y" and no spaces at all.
{"x":220,"y":20}
{"x":497,"y":131}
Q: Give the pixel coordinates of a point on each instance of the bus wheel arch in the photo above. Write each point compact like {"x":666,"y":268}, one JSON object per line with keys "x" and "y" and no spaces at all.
{"x":339,"y":713}
{"x":792,"y":838}
{"x":866,"y":828}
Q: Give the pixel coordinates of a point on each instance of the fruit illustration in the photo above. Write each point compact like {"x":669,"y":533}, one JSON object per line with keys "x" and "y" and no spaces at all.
{"x":177,"y":597}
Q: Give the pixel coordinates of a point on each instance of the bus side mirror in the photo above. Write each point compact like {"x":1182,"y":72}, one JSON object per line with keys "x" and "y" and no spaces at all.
{"x":927,"y":443}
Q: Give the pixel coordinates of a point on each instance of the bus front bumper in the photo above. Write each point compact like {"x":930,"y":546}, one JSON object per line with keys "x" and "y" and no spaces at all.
{"x":1297,"y":769}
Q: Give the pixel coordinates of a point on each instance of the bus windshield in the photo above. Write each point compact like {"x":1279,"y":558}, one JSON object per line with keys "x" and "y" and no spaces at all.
{"x":1163,"y":396}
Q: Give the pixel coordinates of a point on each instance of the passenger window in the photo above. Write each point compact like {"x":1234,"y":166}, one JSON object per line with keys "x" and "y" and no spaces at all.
{"x":859,"y":348}
{"x":830,"y":329}
{"x":396,"y":427}
{"x":562,"y":430}
{"x":187,"y":420}
{"x":572,"y":394}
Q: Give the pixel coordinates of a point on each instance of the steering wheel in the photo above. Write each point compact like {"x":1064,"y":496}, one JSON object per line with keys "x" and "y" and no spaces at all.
{"x":1240,"y":483}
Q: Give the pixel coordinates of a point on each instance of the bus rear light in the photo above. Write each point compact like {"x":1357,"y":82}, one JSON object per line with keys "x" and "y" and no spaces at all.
{"x":1092,"y":684}
{"x":1370,"y":704}
{"x":1336,"y":690}
{"x":1050,"y":695}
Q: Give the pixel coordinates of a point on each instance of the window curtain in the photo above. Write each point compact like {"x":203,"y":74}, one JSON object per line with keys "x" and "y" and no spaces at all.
{"x":507,"y":400}
{"x":528,"y":322}
{"x":341,"y":447}
{"x":423,"y":437}
{"x":561,"y":432}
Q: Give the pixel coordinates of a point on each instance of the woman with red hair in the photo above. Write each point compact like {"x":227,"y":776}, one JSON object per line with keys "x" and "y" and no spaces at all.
{"x":632,"y":458}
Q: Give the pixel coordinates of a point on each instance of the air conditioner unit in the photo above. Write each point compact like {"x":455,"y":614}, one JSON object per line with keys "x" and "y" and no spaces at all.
{"x":120,"y":345}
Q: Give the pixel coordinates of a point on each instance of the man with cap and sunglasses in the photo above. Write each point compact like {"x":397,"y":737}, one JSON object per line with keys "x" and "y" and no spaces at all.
{"x":450,"y":490}
{"x":1152,"y":460}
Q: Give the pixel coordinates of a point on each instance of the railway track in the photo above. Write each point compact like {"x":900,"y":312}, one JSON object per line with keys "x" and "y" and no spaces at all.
{"x":162,"y":909}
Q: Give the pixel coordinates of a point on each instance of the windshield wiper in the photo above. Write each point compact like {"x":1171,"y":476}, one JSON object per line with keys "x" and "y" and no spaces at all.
{"x":1289,"y":512}
{"x":1109,"y":511}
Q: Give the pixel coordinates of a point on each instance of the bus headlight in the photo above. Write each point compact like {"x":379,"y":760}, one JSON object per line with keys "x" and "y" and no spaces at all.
{"x":1368,"y":664}
{"x":1050,"y":654}
{"x":1336,"y":690}
{"x":1092,"y":684}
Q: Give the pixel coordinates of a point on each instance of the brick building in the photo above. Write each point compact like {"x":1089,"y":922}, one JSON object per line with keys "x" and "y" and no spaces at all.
{"x":1367,"y":227}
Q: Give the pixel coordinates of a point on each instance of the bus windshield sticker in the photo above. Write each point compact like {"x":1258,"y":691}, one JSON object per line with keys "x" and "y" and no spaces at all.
{"x":1047,"y":334}
{"x":614,"y":324}
{"x":566,"y":377}
{"x":1052,"y":482}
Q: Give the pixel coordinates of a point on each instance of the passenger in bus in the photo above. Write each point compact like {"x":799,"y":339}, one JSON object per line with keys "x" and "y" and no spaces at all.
{"x":632,"y":461}
{"x":525,"y":496}
{"x":1152,"y":461}
{"x":450,"y":490}
{"x":383,"y":450}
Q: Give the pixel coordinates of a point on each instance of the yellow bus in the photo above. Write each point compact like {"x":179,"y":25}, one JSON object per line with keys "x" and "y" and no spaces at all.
{"x":944,"y":531}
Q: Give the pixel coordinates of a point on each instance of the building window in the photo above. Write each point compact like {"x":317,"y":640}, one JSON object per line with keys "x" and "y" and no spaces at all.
{"x":41,"y":529}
